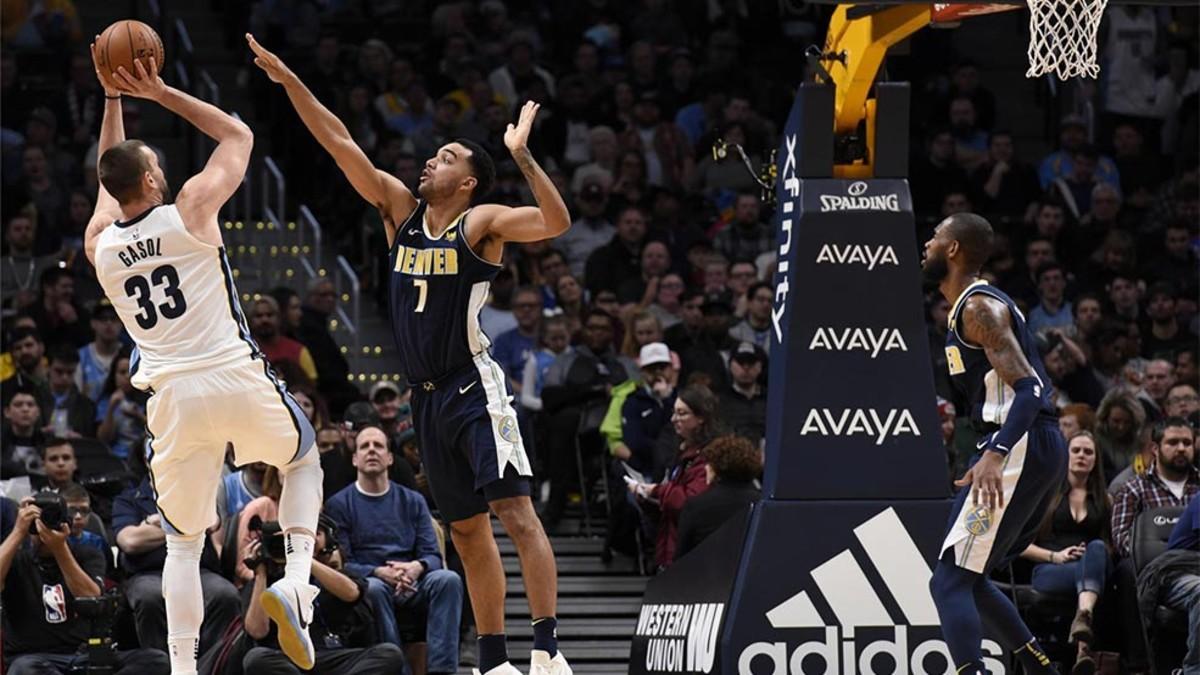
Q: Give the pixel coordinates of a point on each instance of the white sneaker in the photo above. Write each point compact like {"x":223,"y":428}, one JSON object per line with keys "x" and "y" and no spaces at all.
{"x":540,"y":663}
{"x":505,"y":668}
{"x":290,"y":606}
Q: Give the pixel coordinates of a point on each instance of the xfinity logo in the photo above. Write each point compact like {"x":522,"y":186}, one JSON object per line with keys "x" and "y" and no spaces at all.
{"x":857,"y":200}
{"x":683,"y":637}
{"x":857,"y":254}
{"x":863,"y":628}
{"x":860,"y":339}
{"x":791,"y":190}
{"x":857,"y":421}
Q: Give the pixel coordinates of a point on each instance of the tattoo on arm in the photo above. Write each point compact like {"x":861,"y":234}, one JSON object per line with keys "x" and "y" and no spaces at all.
{"x":988,"y":324}
{"x":525,"y":162}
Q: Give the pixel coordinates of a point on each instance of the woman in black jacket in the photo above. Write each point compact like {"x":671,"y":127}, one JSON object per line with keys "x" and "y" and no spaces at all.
{"x":734,"y":465}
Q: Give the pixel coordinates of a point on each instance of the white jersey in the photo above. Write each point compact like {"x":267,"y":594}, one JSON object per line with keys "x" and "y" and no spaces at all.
{"x":175,"y":295}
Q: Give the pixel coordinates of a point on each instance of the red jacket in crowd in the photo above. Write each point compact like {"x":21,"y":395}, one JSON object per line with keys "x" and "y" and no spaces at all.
{"x":685,"y":480}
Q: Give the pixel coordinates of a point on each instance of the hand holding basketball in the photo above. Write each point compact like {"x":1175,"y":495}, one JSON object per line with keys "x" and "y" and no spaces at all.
{"x":143,"y":84}
{"x":122,"y":45}
{"x":517,"y":136}
{"x":271,"y":64}
{"x":110,"y":89}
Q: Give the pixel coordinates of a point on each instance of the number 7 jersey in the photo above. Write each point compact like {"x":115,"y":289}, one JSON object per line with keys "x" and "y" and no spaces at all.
{"x":174,"y":294}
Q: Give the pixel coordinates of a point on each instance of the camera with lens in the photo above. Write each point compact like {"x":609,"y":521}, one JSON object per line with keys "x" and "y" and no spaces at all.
{"x":271,"y":553}
{"x":53,"y":508}
{"x":99,"y":613}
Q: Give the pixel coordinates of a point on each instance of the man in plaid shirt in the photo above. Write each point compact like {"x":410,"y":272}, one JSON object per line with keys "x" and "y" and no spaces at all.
{"x":1171,"y":480}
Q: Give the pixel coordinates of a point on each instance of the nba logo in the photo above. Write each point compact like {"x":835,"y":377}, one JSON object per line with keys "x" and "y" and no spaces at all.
{"x":55,"y":603}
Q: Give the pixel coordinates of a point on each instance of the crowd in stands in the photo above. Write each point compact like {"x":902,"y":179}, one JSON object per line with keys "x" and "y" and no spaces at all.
{"x":637,"y":342}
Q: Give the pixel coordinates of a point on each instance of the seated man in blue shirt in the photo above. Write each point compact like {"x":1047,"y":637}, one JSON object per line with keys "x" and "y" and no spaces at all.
{"x":1182,"y":588}
{"x":386,"y":535}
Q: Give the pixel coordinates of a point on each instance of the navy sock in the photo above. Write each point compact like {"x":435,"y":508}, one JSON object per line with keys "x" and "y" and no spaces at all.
{"x":545,"y":635}
{"x":493,"y":651}
{"x":953,"y":590}
{"x":1034,"y":660}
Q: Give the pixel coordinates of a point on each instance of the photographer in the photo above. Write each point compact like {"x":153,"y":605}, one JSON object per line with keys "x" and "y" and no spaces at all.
{"x":45,"y":583}
{"x":143,"y":542}
{"x":340,"y":628}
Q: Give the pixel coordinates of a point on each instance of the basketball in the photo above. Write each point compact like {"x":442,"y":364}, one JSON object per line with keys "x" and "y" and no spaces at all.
{"x":123,"y":42}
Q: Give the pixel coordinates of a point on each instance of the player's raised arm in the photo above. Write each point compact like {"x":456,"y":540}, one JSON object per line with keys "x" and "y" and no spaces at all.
{"x":383,"y":190}
{"x":526,"y":223}
{"x":112,"y":132}
{"x":203,"y":195}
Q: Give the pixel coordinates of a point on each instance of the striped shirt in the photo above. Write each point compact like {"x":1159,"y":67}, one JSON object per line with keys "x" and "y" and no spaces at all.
{"x":1147,"y":491}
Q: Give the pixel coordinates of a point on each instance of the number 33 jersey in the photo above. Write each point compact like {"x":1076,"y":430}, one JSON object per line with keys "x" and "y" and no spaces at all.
{"x":175,"y":296}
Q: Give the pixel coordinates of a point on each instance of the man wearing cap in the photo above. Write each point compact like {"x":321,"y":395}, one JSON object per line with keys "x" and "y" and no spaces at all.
{"x":96,"y":357}
{"x":646,"y":413}
{"x":1072,"y":136}
{"x":744,"y":401}
{"x":592,"y":229}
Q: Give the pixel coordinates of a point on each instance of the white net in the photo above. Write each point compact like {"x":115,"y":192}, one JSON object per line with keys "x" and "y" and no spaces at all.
{"x":1062,"y":37}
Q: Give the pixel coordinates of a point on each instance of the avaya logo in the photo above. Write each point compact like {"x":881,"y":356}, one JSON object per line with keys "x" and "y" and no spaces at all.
{"x":857,"y":254}
{"x":864,"y":339}
{"x":683,"y":636}
{"x":857,"y":607}
{"x":858,"y":200}
{"x":851,"y":421}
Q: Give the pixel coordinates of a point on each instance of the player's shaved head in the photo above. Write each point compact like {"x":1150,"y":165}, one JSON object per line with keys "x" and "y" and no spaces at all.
{"x":974,"y":236}
{"x":121,"y":168}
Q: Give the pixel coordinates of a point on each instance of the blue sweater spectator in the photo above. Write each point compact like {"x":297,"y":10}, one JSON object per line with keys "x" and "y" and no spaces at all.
{"x":1186,"y":534}
{"x":512,"y":348}
{"x":387,"y":536}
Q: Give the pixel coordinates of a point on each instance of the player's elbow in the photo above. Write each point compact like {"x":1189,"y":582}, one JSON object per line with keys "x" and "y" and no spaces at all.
{"x":240,"y":133}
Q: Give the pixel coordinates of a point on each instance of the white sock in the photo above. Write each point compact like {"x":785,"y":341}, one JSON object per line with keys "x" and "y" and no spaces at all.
{"x":299,"y":548}
{"x":299,"y":507}
{"x":184,"y":599}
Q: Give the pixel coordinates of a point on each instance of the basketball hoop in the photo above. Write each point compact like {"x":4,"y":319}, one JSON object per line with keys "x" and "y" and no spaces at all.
{"x":1062,"y":33}
{"x":1062,"y":37}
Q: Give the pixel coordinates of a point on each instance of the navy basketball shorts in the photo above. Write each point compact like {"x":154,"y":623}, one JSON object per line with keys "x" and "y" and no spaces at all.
{"x":984,"y":539}
{"x":469,"y":439}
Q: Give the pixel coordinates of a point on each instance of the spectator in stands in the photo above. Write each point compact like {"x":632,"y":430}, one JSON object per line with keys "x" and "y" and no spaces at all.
{"x":970,"y":141}
{"x":73,"y":414}
{"x":690,"y":328}
{"x":1071,"y":551}
{"x":936,"y":174}
{"x":641,"y":329}
{"x":387,"y":536}
{"x":1003,"y":184}
{"x":647,"y":410}
{"x":336,"y":464}
{"x":140,"y":534}
{"x":744,"y":401}
{"x":1165,"y":335}
{"x":28,"y":352}
{"x":511,"y":349}
{"x":757,"y":327}
{"x":604,"y":151}
{"x":746,"y":237}
{"x":1115,"y":257}
{"x":1177,"y":263}
{"x":280,"y":350}
{"x":696,"y":423}
{"x":238,"y":489}
{"x":552,"y":265}
{"x":1067,"y":364}
{"x":121,"y":412}
{"x":266,"y":509}
{"x":640,"y":290}
{"x":709,"y":354}
{"x":1185,"y":367}
{"x":332,"y":369}
{"x":554,"y":339}
{"x":1157,"y":379}
{"x":1073,"y":135}
{"x":1118,"y":420}
{"x":569,"y":296}
{"x":668,"y":302}
{"x":22,"y":433}
{"x":1075,"y":188}
{"x":1170,"y":480}
{"x":742,"y":276}
{"x":96,"y":357}
{"x":1123,"y":297}
{"x":1053,"y":309}
{"x":734,"y":465}
{"x":1076,"y":417}
{"x":496,"y":316}
{"x":1182,"y":401}
{"x":44,"y":575}
{"x":519,"y":70}
{"x":608,"y":266}
{"x":391,"y":407}
{"x":1088,"y":314}
{"x":1022,"y":285}
{"x":58,"y":315}
{"x":344,"y":642}
{"x":22,"y":268}
{"x":58,"y":462}
{"x":41,"y":187}
{"x":1172,"y":579}
{"x":79,"y":508}
{"x":290,"y":310}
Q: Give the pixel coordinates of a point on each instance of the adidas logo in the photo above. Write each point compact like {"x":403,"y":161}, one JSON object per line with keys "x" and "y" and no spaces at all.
{"x":866,"y":639}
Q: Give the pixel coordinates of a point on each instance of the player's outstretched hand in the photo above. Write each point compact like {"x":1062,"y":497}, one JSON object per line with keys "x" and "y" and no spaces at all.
{"x":986,"y":479}
{"x":271,"y":64}
{"x":106,"y":79}
{"x":517,"y":136}
{"x":141,"y":83}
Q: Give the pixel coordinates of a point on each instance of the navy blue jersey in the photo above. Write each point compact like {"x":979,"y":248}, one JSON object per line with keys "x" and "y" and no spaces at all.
{"x":972,"y":374}
{"x":438,"y":286}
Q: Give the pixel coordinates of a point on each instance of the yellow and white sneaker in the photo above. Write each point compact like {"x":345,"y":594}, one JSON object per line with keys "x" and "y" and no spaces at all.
{"x":290,"y":606}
